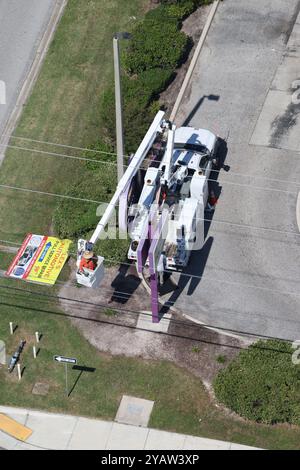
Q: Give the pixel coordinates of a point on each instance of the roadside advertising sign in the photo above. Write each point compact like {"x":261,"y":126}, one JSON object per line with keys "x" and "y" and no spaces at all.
{"x":40,"y":259}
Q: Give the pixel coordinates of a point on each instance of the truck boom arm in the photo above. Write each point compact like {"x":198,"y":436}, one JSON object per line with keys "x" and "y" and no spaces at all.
{"x":129,"y":173}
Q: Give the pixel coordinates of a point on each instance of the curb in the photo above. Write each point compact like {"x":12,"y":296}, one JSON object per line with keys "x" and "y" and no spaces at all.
{"x":298,"y":211}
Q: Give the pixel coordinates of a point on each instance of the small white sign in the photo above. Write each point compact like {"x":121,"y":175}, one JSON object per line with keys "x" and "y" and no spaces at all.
{"x":66,"y":360}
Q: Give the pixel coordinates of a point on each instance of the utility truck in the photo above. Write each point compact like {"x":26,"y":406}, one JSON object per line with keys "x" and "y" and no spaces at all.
{"x":169,"y":172}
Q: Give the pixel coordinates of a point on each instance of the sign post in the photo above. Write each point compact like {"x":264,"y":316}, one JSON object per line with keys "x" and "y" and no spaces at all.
{"x":66,"y":361}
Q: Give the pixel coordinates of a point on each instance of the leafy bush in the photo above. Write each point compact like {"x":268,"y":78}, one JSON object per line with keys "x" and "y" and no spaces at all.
{"x":156,"y":44}
{"x":138,"y":109}
{"x":95,"y":154}
{"x":262,"y":384}
{"x":114,"y":251}
{"x":73,"y":219}
{"x":177,"y":10}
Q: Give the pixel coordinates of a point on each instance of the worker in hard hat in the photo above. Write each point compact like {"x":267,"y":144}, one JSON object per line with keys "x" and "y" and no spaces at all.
{"x":212,"y":201}
{"x":88,"y":261}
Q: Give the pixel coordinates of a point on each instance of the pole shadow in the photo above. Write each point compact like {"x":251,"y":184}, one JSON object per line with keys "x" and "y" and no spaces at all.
{"x":81,"y":369}
{"x":198,"y":105}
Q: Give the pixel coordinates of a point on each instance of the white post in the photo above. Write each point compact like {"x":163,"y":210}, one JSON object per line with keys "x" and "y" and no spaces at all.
{"x":19,"y":371}
{"x":34,"y":352}
{"x":37,"y":337}
{"x":11,"y":328}
{"x":119,"y":115}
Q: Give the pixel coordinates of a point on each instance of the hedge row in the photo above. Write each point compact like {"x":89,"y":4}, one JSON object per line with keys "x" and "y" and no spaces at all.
{"x":157,"y":47}
{"x":262,"y":384}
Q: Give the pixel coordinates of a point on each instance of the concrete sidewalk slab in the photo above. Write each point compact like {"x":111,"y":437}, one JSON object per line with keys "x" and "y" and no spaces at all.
{"x":63,"y":432}
{"x":125,"y":437}
{"x":162,"y":440}
{"x":7,"y":442}
{"x":135,"y":411}
{"x":50,"y":430}
{"x":200,"y":443}
{"x":279,"y":122}
{"x":90,"y":434}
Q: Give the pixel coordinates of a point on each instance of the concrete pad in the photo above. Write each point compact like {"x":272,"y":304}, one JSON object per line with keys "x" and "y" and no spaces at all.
{"x":2,"y":353}
{"x":23,"y":446}
{"x":199,"y":443}
{"x":145,"y":322}
{"x":294,"y":40}
{"x":162,"y":440}
{"x":90,"y":434}
{"x":135,"y":411}
{"x":50,"y":431}
{"x":279,"y":122}
{"x":125,"y":437}
{"x":40,"y":388}
{"x":6,"y":441}
{"x":287,"y":73}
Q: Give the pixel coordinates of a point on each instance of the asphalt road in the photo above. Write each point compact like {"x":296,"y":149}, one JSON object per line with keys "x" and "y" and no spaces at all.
{"x":249,"y":275}
{"x":22,"y":23}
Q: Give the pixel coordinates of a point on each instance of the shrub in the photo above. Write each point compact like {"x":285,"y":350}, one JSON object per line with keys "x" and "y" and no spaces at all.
{"x":74,"y":219}
{"x":262,"y":384}
{"x":95,"y":153}
{"x":138,"y":109}
{"x":114,"y":251}
{"x":156,"y":44}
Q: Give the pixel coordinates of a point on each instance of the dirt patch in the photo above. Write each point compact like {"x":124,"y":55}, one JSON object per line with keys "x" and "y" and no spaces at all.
{"x":193,"y":27}
{"x":107,"y":318}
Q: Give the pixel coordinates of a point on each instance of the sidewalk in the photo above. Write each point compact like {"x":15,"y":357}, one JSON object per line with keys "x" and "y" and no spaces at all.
{"x":63,"y":432}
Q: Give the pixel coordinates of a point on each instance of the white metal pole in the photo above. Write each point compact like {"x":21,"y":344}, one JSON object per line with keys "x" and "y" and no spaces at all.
{"x":11,"y":328}
{"x":37,"y":336}
{"x":19,"y":371}
{"x":66,"y":369}
{"x":34,"y":352}
{"x":119,"y":115}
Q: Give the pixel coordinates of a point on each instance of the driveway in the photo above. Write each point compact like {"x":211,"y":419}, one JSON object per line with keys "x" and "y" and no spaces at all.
{"x":251,"y":276}
{"x":22,"y":24}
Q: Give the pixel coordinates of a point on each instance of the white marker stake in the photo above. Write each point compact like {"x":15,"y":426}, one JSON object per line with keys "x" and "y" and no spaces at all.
{"x":37,"y":336}
{"x":19,"y":371}
{"x":34,"y":352}
{"x":11,"y":328}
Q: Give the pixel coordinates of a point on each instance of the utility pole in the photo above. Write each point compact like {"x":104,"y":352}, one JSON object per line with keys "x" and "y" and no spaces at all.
{"x":118,"y":99}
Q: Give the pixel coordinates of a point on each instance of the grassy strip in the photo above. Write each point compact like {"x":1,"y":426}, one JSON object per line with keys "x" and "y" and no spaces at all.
{"x":64,"y":107}
{"x":181,"y":402}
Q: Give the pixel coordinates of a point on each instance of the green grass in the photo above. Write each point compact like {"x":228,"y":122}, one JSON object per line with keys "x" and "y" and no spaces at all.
{"x":181,"y":402}
{"x":63,"y":108}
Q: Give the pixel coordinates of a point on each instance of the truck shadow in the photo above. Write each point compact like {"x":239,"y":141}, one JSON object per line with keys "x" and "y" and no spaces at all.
{"x":124,"y":284}
{"x":190,"y":278}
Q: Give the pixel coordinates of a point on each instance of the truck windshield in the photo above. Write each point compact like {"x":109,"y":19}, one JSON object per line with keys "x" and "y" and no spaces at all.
{"x":194,"y":147}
